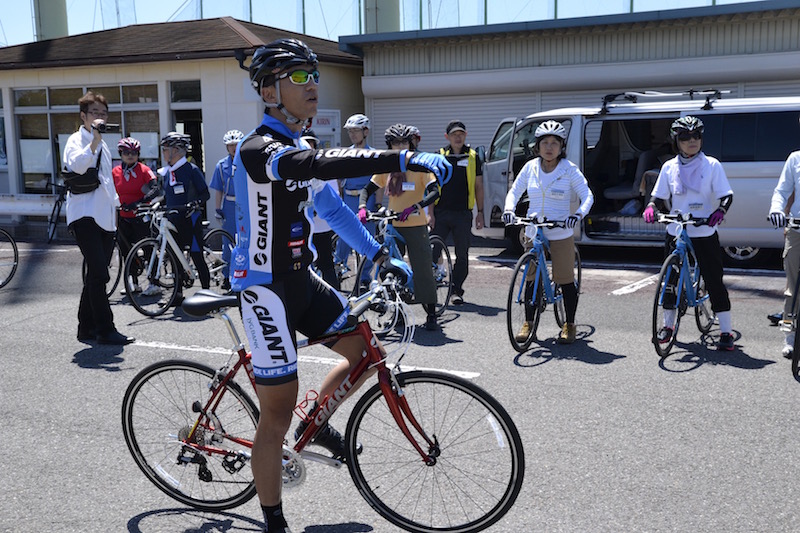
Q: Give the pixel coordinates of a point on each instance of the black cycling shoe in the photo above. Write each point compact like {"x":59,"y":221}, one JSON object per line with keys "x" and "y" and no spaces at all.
{"x":664,"y":335}
{"x":327,"y":437}
{"x":775,"y":318}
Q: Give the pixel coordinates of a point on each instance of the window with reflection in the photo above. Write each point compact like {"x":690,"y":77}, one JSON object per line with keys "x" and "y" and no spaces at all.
{"x":185,"y":91}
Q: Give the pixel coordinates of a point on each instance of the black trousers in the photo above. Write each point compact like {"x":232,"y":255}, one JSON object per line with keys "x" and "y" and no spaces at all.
{"x":96,"y":245}
{"x":709,"y":258}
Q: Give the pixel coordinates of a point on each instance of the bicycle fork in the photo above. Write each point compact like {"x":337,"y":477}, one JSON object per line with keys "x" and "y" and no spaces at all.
{"x":401,"y":411}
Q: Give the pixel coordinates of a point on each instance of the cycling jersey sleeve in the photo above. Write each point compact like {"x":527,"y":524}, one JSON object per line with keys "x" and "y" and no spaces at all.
{"x":343,"y":221}
{"x":282,"y":161}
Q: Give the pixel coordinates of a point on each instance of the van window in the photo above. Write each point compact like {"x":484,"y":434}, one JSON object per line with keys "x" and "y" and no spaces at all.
{"x":498,"y":151}
{"x":751,"y":136}
{"x":524,"y":140}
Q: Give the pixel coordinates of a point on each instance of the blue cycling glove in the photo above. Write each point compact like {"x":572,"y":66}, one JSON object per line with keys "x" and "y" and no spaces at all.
{"x":426,"y":162}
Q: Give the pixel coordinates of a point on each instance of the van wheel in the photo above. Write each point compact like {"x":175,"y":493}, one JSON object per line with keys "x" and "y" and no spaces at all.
{"x":742,"y":256}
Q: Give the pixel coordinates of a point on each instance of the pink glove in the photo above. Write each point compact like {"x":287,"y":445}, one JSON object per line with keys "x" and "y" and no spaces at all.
{"x":406,"y":213}
{"x":649,"y":214}
{"x":362,"y":215}
{"x":716,"y":217}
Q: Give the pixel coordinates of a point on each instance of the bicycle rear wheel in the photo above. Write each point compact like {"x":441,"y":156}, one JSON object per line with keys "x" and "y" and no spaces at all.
{"x":667,"y":318}
{"x":522,"y":309}
{"x":558,"y":307}
{"x":52,"y":221}
{"x":217,"y":247}
{"x":157,"y":275}
{"x":346,"y":271}
{"x":9,"y":257}
{"x":442,"y":274}
{"x":703,"y":314}
{"x":115,"y":268}
{"x":480,"y":461}
{"x":158,"y":414}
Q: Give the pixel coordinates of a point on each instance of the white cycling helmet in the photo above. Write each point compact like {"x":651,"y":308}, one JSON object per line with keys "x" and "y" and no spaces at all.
{"x":232,"y":137}
{"x":550,"y":127}
{"x":357,"y":122}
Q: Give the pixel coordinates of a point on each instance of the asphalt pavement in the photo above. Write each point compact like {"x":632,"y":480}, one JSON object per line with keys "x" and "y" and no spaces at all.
{"x":615,"y":438}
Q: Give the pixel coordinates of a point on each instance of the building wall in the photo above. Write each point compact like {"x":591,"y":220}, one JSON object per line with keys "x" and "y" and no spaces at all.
{"x":227,"y":102}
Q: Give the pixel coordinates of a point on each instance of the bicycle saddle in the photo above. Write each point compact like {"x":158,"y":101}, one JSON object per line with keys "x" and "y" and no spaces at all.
{"x":205,"y":301}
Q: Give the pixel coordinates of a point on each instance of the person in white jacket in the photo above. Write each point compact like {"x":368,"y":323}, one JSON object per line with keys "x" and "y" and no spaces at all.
{"x":788,"y":187}
{"x":551,"y":182}
{"x":695,"y":184}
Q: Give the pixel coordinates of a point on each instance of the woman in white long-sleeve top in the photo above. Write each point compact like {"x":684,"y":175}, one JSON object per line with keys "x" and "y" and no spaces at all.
{"x":551,"y":180}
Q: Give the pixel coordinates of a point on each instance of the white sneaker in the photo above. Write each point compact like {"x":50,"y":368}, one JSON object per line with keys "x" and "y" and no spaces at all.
{"x":787,"y":351}
{"x":152,"y":290}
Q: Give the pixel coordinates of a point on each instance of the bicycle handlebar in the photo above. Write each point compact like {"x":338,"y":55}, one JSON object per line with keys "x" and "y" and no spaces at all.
{"x":535,"y":221}
{"x":684,"y":219}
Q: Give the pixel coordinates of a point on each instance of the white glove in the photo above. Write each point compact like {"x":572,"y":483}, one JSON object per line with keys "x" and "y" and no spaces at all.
{"x":508,"y":218}
{"x":778,"y":219}
{"x":572,"y":221}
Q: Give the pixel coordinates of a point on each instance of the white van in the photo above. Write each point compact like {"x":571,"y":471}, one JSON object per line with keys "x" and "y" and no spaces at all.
{"x":621,"y":144}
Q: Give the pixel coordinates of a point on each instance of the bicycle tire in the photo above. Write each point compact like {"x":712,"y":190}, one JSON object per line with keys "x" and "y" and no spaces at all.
{"x":115,"y":268}
{"x":443,"y":275}
{"x":704,"y":316}
{"x":558,"y":308}
{"x":671,"y":265}
{"x":518,"y":305}
{"x":479,"y":468}
{"x":52,"y":221}
{"x":347,"y":271}
{"x":381,"y":322}
{"x":215,"y":242}
{"x":143,"y":256}
{"x":795,"y":352}
{"x":9,"y":257}
{"x":158,"y":408}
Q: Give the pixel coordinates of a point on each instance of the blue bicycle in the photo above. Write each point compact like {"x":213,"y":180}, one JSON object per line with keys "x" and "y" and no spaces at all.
{"x":387,"y":317}
{"x":531,"y":287}
{"x":680,"y":286}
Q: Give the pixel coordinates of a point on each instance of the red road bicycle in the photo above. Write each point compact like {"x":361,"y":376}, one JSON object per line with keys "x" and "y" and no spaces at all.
{"x":439,"y":453}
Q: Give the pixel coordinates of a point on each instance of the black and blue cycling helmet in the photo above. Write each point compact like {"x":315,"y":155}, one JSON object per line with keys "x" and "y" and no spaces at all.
{"x":271,"y":59}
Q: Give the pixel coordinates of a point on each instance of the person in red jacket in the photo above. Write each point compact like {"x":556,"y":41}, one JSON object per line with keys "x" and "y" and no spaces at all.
{"x":134,"y":182}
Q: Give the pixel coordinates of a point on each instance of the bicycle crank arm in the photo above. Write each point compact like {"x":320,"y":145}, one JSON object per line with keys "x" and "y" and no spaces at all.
{"x":319,"y":458}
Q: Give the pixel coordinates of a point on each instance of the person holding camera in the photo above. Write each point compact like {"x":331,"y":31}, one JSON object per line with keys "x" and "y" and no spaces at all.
{"x":91,"y":205}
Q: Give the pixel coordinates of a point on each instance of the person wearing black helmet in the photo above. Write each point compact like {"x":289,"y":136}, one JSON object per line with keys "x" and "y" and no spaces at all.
{"x":184,"y":184}
{"x":695,"y":184}
{"x":279,"y":184}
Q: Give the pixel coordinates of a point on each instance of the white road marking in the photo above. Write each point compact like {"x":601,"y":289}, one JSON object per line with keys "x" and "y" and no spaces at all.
{"x":636,"y":285}
{"x":330,"y":361}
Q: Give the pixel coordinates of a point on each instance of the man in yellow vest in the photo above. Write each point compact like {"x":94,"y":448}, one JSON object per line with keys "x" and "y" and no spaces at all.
{"x":453,"y":210}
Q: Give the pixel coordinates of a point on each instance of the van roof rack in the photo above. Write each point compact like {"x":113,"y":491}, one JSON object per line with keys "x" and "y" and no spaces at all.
{"x":711,"y":95}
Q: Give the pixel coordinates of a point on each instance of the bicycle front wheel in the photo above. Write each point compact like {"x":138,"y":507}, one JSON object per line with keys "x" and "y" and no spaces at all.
{"x":558,"y":307}
{"x":523,"y":310}
{"x":157,"y":273}
{"x":158,"y":415}
{"x":666,"y":312}
{"x":442,"y":273}
{"x":382,"y":320}
{"x":479,"y":466}
{"x":217,"y":247}
{"x":9,"y":257}
{"x":52,"y":222}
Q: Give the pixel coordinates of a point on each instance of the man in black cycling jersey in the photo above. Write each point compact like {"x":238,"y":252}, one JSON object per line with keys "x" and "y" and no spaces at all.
{"x":278,"y":188}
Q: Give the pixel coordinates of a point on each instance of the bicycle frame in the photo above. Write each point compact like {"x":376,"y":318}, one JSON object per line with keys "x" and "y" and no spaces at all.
{"x":372,"y":358}
{"x":686,"y":277}
{"x":166,"y":238}
{"x":540,"y":244}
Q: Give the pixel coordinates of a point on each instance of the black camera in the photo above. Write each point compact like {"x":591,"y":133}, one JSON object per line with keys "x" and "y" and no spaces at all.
{"x":106,"y":127}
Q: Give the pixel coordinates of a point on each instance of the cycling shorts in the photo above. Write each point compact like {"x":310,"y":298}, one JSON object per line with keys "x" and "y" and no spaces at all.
{"x":562,"y":258}
{"x":299,"y":301}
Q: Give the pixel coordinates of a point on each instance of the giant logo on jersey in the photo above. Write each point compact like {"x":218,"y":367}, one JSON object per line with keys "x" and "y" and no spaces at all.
{"x":293,"y":185}
{"x":263,"y":223}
